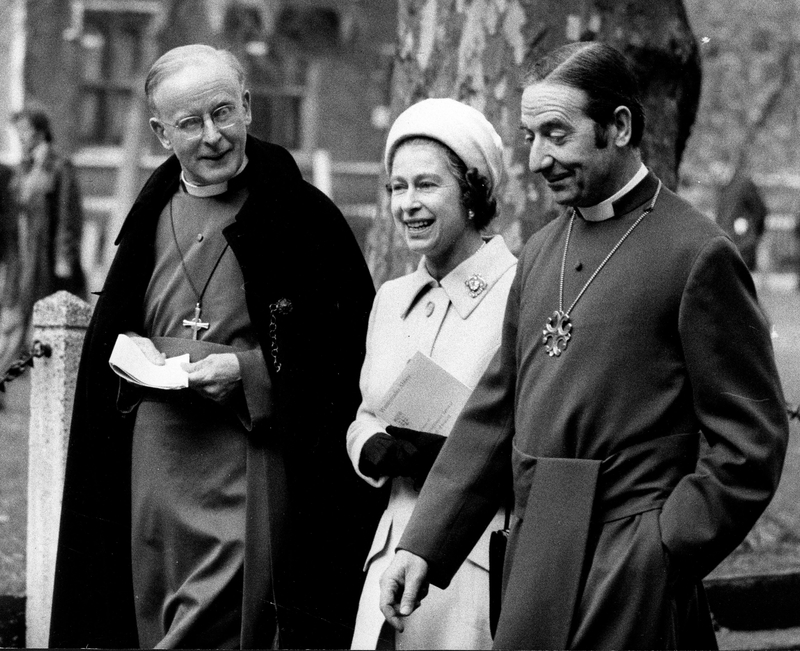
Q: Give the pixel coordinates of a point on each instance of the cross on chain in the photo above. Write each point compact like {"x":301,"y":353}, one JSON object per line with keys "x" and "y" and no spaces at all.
{"x":195,"y":323}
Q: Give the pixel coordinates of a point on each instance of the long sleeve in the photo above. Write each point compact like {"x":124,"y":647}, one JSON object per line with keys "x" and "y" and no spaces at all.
{"x":256,"y":388}
{"x":366,"y":423}
{"x":472,"y":474}
{"x":739,"y":403}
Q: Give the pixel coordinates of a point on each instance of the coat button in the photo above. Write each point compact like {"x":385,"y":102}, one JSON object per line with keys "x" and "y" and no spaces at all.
{"x":199,"y":237}
{"x":429,"y":308}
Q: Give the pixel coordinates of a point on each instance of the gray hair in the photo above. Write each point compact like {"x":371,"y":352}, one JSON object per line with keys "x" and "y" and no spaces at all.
{"x":178,"y":58}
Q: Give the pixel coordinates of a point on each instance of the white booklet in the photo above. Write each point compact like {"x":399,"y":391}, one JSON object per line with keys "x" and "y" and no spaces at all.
{"x":129,"y":362}
{"x":424,"y":397}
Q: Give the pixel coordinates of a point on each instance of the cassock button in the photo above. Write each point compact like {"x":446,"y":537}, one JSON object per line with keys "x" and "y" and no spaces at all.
{"x":429,"y":308}
{"x":199,"y":237}
{"x":579,"y":266}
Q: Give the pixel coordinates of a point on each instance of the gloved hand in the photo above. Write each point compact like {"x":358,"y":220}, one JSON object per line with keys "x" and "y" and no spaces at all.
{"x":427,"y":448}
{"x":384,"y":455}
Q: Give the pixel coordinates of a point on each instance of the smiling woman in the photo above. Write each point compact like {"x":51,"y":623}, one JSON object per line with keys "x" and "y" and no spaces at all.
{"x":444,"y":161}
{"x":428,"y":204}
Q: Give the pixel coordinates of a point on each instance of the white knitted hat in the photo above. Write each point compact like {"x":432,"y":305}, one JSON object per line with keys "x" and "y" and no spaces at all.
{"x":462,"y":128}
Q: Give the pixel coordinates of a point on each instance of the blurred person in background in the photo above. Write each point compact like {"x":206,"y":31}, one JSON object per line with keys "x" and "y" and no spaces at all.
{"x":445,"y":161}
{"x":48,"y":230}
{"x":9,"y":256}
{"x":742,"y":213}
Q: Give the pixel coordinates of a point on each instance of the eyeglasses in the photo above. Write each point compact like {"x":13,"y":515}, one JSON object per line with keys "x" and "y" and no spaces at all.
{"x":191,"y":128}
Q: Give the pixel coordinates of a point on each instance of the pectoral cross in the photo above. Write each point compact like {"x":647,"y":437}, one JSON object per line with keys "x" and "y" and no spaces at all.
{"x":195,"y":323}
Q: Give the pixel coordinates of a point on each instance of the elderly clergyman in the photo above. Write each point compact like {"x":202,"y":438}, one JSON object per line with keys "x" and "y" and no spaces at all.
{"x":198,"y":517}
{"x":634,"y":399}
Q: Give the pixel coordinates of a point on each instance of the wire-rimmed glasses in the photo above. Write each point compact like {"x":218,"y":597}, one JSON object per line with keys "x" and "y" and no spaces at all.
{"x":191,"y":128}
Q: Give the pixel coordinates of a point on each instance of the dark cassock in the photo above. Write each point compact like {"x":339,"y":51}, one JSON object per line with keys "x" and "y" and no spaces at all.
{"x":641,"y":450}
{"x":187,"y":523}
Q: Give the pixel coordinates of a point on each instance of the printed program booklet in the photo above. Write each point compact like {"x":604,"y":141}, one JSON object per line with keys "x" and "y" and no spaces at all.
{"x":129,"y":362}
{"x":424,"y":397}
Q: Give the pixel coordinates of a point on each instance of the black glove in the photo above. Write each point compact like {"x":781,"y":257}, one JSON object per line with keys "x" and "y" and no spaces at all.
{"x":427,"y":448}
{"x":384,"y":455}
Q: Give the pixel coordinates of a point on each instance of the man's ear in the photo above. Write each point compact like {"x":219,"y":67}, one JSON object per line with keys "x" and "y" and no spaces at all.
{"x":248,"y":116}
{"x":158,"y":129}
{"x":623,"y":125}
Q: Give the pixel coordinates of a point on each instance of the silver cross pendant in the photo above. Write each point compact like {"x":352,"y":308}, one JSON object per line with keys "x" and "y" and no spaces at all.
{"x":195,"y":323}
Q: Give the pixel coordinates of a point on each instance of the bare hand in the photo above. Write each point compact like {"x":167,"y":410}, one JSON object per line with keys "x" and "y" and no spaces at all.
{"x":215,"y":377}
{"x":148,"y":348}
{"x":403,"y":586}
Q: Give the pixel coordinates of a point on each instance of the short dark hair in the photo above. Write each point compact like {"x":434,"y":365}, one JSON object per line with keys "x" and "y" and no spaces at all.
{"x":600,"y":71}
{"x":38,"y":119}
{"x":477,"y":194}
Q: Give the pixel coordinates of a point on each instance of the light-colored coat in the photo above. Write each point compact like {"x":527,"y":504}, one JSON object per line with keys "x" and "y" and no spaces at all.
{"x":461,"y":333}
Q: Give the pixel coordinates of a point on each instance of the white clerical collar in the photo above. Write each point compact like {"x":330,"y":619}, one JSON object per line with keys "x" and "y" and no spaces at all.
{"x":210,"y":190}
{"x":605,"y":209}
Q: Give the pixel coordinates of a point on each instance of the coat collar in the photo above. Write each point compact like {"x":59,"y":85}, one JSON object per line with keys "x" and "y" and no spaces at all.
{"x":271,"y":174}
{"x":480,"y":271}
{"x":214,"y":189}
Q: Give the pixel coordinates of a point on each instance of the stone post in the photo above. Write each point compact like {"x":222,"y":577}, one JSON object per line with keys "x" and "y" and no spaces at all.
{"x":60,"y":321}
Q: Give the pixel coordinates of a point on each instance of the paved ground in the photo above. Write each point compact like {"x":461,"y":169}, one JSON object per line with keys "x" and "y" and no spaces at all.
{"x":13,"y":482}
{"x":781,"y":303}
{"x":783,"y":308}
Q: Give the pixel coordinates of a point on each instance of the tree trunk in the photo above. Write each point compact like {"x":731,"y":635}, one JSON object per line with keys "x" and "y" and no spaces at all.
{"x":476,"y":51}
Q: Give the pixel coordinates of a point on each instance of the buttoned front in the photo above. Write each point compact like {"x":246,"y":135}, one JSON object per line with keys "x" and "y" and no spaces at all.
{"x":457,"y":323}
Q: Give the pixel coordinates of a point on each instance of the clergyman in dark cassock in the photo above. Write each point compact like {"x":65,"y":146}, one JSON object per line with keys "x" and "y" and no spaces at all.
{"x":634,"y":402}
{"x":195,"y":517}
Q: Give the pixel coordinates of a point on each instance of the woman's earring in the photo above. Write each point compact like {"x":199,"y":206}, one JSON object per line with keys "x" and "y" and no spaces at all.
{"x":470,"y":215}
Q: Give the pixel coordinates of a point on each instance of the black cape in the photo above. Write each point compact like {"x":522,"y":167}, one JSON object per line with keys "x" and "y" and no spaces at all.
{"x":309,"y":518}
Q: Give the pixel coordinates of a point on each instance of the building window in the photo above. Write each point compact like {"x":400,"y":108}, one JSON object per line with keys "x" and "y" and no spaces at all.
{"x":280,"y":95}
{"x":277,"y":117}
{"x":111,"y":35}
{"x":280,"y":61}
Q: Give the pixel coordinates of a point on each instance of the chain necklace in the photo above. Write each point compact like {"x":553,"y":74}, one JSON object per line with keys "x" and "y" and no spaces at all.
{"x":558,"y":328}
{"x":194,"y":323}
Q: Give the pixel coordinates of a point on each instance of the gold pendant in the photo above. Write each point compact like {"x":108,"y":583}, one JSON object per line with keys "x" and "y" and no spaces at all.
{"x":556,"y":334}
